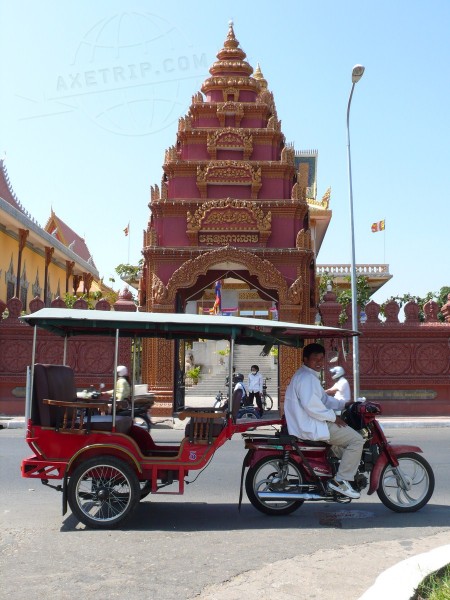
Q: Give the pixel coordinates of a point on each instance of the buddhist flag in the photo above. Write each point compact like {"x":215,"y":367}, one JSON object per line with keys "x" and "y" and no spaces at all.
{"x":126,"y":230}
{"x":380,"y":226}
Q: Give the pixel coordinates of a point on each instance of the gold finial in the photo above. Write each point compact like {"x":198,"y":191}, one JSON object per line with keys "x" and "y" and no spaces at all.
{"x":231,"y":38}
{"x":260,"y":77}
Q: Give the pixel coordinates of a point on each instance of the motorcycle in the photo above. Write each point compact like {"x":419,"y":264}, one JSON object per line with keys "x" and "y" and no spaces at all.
{"x":142,"y":405}
{"x":284,"y":472}
{"x":244,"y":412}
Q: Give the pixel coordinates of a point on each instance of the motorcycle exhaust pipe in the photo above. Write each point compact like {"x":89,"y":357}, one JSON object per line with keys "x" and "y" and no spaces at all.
{"x":290,"y":496}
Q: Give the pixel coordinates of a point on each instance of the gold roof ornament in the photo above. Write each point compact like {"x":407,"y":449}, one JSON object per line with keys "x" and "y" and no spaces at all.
{"x":231,"y":57}
{"x":260,"y":77}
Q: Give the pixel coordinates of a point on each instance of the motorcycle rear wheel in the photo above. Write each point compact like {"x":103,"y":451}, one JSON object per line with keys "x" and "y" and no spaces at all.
{"x":419,"y":475}
{"x":262,"y":477}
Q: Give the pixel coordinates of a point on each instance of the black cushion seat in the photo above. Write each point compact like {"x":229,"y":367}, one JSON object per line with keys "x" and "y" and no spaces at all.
{"x":104,"y":423}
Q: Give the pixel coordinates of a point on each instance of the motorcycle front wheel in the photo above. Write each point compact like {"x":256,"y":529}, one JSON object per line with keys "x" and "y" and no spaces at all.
{"x":267,"y":476}
{"x":409,"y":488}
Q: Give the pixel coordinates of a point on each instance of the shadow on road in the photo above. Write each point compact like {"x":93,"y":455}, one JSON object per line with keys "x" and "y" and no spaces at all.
{"x":199,"y":516}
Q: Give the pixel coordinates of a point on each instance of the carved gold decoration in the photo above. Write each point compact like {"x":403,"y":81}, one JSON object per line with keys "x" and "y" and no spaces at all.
{"x":185,"y":123}
{"x":248,"y":295}
{"x":324,"y":203}
{"x":159,"y":290}
{"x":232,"y":139}
{"x":230,"y":91}
{"x":171,"y":154}
{"x":229,"y":172}
{"x":186,"y":276}
{"x":295,"y":292}
{"x":303,"y":240}
{"x":155,"y":194}
{"x":228,"y":221}
{"x":288,"y":155}
{"x":223,"y":239}
{"x":298,"y":192}
{"x":229,"y":109}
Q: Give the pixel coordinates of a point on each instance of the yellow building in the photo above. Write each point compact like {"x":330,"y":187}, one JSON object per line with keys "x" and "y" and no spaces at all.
{"x":40,"y":262}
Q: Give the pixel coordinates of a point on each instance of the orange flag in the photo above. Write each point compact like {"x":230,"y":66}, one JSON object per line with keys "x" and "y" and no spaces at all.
{"x":380,"y":226}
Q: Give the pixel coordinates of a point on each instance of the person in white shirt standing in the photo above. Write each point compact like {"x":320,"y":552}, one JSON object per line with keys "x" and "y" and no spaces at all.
{"x":255,"y":387}
{"x":310,"y":415}
{"x":341,"y":389}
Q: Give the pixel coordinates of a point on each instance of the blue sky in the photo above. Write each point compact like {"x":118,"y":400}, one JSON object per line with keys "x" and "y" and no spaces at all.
{"x":91,"y":93}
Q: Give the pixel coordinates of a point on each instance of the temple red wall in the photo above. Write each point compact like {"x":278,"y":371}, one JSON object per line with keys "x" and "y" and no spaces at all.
{"x":91,"y":357}
{"x":404,"y":366}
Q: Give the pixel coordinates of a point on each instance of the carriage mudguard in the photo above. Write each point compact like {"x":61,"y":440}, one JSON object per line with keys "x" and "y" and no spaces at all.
{"x":383,"y":459}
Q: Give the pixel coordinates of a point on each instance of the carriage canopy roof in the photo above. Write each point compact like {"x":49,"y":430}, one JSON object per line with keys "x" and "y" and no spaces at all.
{"x":72,"y":322}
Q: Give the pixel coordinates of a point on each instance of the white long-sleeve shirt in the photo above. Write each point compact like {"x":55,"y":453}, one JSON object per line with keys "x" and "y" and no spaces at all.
{"x":255,"y":382}
{"x":307,"y":408}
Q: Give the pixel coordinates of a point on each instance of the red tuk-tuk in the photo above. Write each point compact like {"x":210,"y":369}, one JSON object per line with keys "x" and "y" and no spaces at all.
{"x":105,"y":462}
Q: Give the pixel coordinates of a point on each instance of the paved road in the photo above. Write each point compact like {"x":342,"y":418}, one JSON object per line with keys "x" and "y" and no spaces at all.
{"x":200,"y":546}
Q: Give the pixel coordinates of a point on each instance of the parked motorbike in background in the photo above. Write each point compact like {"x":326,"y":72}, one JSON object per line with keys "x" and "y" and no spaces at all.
{"x":142,"y":406}
{"x":283,"y":471}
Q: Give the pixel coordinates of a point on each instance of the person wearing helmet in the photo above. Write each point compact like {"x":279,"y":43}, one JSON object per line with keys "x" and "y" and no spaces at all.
{"x":255,"y":387}
{"x":310,"y":415}
{"x":123,"y":388}
{"x":240,"y":385}
{"x":341,"y":389}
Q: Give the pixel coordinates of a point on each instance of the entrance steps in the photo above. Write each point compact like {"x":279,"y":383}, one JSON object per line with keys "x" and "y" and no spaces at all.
{"x":244,"y":357}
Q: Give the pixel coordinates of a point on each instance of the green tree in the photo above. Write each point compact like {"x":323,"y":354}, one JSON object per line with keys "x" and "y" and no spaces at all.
{"x":440,"y":297}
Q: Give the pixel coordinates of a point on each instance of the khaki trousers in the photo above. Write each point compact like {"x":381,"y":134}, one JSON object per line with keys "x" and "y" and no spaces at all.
{"x":347,"y":445}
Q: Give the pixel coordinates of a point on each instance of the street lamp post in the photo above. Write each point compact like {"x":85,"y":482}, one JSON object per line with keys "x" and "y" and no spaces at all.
{"x":357,"y":73}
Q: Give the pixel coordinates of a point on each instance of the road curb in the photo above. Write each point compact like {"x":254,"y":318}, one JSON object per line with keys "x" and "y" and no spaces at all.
{"x":404,"y":577}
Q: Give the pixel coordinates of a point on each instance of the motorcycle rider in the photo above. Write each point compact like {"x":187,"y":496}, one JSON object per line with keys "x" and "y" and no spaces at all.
{"x":310,"y":415}
{"x":240,"y":385}
{"x":123,"y":388}
{"x":341,"y":389}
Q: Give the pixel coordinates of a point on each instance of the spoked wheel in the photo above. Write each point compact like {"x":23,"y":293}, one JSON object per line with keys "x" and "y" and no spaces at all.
{"x":268,"y":475}
{"x":409,"y":487}
{"x":267,"y":402}
{"x":102,"y":492}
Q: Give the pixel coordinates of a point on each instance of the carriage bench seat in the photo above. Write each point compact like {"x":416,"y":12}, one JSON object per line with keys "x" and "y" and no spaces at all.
{"x":78,"y":417}
{"x":55,"y":403}
{"x":204,"y":426}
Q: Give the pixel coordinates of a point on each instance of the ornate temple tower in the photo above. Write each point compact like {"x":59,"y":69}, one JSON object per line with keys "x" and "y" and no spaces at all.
{"x":231,"y":206}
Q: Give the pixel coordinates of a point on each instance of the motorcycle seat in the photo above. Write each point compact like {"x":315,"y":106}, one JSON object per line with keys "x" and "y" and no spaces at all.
{"x":318,"y":444}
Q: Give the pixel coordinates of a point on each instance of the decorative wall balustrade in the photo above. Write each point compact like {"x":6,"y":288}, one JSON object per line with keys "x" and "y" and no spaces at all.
{"x":91,"y":357}
{"x":405,"y":365}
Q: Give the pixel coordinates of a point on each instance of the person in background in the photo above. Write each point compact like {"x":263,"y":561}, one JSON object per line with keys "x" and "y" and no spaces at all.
{"x":240,"y":385}
{"x":255,"y":387}
{"x":310,"y":415}
{"x":123,"y":388}
{"x":341,"y":389}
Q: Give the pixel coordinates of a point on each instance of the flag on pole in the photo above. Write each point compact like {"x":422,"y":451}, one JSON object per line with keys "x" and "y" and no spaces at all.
{"x":380,"y":226}
{"x":127,"y":229}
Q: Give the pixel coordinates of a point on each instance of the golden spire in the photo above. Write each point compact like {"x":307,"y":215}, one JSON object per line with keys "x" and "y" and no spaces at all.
{"x":260,"y":77}
{"x":231,"y":57}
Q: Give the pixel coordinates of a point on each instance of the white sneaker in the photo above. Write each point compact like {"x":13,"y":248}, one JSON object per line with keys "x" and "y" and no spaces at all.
{"x":344,"y":488}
